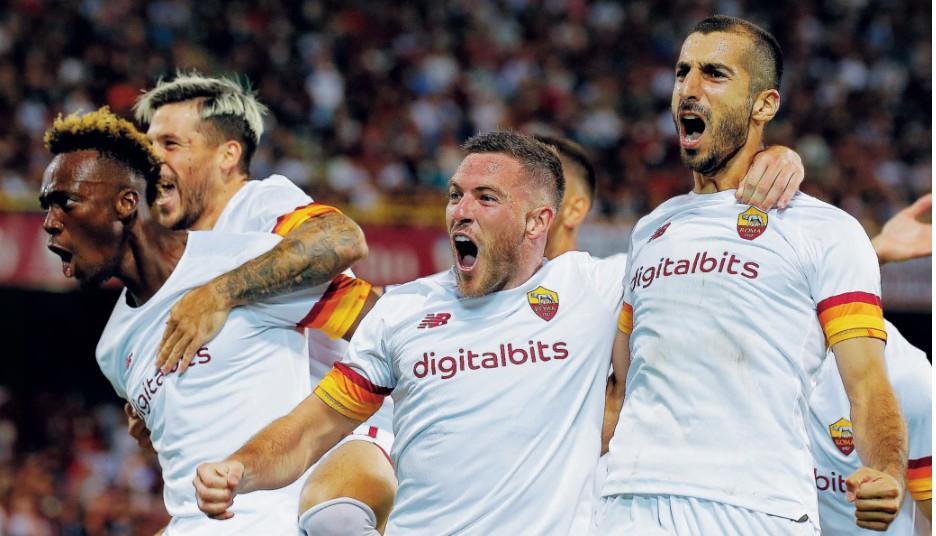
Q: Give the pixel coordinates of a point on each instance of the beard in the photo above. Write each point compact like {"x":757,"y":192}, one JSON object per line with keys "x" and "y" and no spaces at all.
{"x":728,"y":136}
{"x":500,"y":263}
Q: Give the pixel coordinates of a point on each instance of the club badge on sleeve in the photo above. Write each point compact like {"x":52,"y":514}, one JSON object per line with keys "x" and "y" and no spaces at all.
{"x":544,"y":302}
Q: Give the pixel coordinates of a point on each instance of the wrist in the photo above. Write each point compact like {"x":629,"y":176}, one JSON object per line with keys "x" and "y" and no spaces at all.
{"x":222,"y":293}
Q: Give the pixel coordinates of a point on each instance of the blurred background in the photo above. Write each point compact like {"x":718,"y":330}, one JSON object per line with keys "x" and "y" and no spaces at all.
{"x":370,"y":101}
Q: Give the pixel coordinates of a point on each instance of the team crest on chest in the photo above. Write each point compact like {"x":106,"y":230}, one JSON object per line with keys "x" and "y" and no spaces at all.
{"x":752,"y":223}
{"x":544,"y":302}
{"x":843,"y":435}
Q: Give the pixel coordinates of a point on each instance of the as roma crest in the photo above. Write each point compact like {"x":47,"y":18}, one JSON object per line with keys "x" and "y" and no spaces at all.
{"x":544,"y":302}
{"x":752,"y":223}
{"x":843,"y":435}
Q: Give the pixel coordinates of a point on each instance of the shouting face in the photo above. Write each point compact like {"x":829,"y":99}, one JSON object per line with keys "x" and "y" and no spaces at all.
{"x":486,"y":217}
{"x":711,"y":103}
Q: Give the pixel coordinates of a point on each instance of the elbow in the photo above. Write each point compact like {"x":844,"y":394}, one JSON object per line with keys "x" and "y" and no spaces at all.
{"x":352,"y":247}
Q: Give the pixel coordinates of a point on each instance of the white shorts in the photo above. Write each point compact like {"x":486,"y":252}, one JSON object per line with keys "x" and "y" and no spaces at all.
{"x":371,"y":434}
{"x":671,"y":515}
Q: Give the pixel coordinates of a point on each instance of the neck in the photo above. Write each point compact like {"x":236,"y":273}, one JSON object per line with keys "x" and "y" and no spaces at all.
{"x":730,"y":174}
{"x":561,"y":242}
{"x":152,"y":253}
{"x":528,"y":263}
{"x":220,"y":197}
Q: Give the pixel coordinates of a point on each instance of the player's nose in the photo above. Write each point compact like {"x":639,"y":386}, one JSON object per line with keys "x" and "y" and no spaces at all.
{"x":691,"y":86}
{"x":52,"y":224}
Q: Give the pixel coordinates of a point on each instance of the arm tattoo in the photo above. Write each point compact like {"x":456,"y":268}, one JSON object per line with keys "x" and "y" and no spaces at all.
{"x":311,"y":254}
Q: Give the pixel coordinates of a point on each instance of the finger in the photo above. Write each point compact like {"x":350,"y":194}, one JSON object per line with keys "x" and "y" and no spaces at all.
{"x":129,"y":411}
{"x":751,"y":179}
{"x":188,"y":355}
{"x":796,"y":180}
{"x":763,"y":188}
{"x":876,"y":510}
{"x":778,"y":188}
{"x":235,"y":475}
{"x":175,"y":354}
{"x":856,"y":479}
{"x":921,"y":206}
{"x":877,"y":489}
{"x":209,"y":495}
{"x":222,"y":517}
{"x":211,"y":475}
{"x":170,"y":337}
{"x":873,"y":525}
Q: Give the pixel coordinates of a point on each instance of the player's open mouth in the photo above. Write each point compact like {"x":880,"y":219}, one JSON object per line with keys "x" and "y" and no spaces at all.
{"x":68,"y":269}
{"x":166,"y":192}
{"x":691,"y":127}
{"x":466,"y":252}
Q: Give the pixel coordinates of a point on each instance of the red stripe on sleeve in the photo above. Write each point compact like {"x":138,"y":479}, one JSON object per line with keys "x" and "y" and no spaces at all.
{"x":361,"y":381}
{"x":848,"y":297}
{"x":921,"y":462}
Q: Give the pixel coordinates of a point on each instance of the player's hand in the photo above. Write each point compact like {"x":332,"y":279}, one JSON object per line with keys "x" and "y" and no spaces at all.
{"x":137,"y":428}
{"x":877,"y":497}
{"x":215,"y":487}
{"x":193,"y":321}
{"x":773,"y":179}
{"x":904,"y":236}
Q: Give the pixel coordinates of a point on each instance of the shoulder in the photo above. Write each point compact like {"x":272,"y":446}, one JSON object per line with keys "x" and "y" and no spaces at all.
{"x":278,"y":184}
{"x":909,"y":370}
{"x":222,"y":245}
{"x":659,"y":216}
{"x":807,"y":211}
{"x":401,"y":303}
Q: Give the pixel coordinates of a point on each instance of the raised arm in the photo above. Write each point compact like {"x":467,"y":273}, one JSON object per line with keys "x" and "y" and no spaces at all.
{"x":273,"y":458}
{"x":905,"y":236}
{"x":312,"y":253}
{"x":876,"y":489}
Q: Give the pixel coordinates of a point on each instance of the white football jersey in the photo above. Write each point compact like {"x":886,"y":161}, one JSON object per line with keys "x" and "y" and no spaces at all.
{"x":499,"y":399}
{"x":730,"y":312}
{"x":277,"y":205}
{"x":832,"y":442}
{"x":253,"y":371}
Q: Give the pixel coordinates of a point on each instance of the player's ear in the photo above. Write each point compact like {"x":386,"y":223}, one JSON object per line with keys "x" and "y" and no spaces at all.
{"x":230,"y":154}
{"x":538,"y":220}
{"x":766,"y":105}
{"x":125,"y":204}
{"x":574,"y":212}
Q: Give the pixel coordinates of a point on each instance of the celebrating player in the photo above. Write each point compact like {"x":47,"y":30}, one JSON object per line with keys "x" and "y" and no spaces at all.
{"x":497,"y":368}
{"x":95,"y":193}
{"x":205,"y":131}
{"x":728,"y":311}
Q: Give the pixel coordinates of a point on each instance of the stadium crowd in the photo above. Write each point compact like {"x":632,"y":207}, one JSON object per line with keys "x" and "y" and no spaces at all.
{"x":369,"y":103}
{"x":370,"y":100}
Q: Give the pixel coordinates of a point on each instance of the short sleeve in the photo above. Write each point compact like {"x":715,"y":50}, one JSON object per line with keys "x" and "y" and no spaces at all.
{"x":357,"y":385}
{"x":607,"y":277}
{"x":911,"y":375}
{"x":844,"y":278}
{"x":626,"y":314}
{"x":330,"y":308}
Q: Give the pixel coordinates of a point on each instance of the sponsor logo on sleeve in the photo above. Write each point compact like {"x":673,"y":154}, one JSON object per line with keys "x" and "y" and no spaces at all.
{"x":544,"y":302}
{"x":659,"y":232}
{"x":434,"y":320}
{"x":843,"y":435}
{"x":752,"y":223}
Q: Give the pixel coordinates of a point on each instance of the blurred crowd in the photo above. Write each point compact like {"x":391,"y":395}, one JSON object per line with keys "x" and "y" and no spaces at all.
{"x":370,"y":100}
{"x":69,"y":468}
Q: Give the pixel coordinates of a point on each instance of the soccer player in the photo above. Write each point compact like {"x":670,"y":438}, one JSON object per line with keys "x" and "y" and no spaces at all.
{"x":205,"y":131}
{"x":728,"y":311}
{"x":497,"y":368}
{"x":831,"y":436}
{"x":96,"y":192}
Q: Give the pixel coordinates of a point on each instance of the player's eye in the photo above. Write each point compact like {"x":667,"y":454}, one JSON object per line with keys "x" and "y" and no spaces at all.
{"x":487,"y":198}
{"x":454,"y":197}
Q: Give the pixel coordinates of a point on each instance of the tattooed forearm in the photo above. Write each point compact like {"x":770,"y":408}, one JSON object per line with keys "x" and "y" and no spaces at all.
{"x":311,"y":254}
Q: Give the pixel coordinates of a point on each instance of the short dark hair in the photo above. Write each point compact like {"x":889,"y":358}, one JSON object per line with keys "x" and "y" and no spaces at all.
{"x":766,"y":62}
{"x":540,"y":161}
{"x":111,"y":136}
{"x":228,"y":106}
{"x":576,"y":154}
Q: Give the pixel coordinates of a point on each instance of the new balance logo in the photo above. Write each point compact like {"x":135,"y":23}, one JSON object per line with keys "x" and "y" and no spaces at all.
{"x":434,"y":320}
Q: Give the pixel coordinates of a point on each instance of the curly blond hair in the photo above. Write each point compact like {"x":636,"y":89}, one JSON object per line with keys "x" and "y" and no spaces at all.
{"x":110,"y":135}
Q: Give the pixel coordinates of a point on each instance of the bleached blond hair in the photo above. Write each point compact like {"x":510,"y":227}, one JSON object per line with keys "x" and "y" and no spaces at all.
{"x":228,"y":106}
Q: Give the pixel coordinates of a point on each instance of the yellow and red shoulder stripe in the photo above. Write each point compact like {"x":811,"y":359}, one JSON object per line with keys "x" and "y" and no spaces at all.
{"x":626,"y":319}
{"x":850,"y":315}
{"x":338,"y":307}
{"x":288,"y":222}
{"x":349,"y":393}
{"x":920,"y":478}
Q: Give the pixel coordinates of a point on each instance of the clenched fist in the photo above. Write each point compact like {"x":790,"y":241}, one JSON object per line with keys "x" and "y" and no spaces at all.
{"x":216,"y":486}
{"x":877,"y":497}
